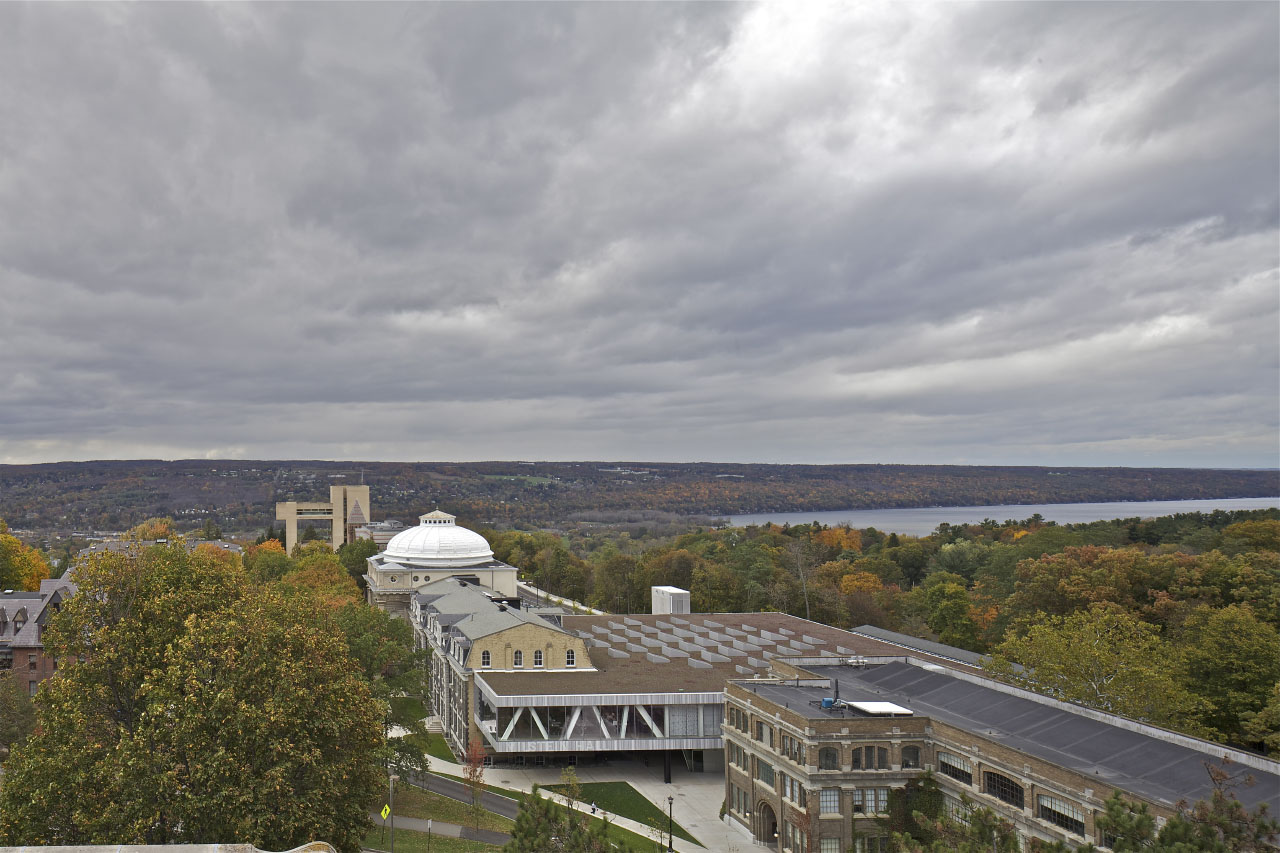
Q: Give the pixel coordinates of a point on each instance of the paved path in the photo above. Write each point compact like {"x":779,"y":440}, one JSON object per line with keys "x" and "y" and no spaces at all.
{"x":451,"y":830}
{"x":455,"y":790}
{"x":697,"y":797}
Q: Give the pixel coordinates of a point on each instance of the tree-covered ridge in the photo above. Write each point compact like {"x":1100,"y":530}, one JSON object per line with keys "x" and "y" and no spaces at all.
{"x":240,"y":495}
{"x":1170,"y":620}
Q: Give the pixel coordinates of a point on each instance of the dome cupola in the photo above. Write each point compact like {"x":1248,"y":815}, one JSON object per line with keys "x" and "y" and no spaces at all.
{"x":438,"y":543}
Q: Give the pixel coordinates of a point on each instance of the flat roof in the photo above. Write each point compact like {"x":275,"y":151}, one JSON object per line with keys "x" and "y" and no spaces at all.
{"x":1143,"y":763}
{"x":652,"y":653}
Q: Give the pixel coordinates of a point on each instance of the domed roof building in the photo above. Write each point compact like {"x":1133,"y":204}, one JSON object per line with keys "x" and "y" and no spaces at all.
{"x":434,"y":550}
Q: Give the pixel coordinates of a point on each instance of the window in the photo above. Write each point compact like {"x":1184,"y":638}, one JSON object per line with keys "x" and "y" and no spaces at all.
{"x":764,"y":772}
{"x":793,"y":790}
{"x":828,"y":758}
{"x":872,"y":800}
{"x":31,"y":662}
{"x":570,"y":658}
{"x":911,"y":758}
{"x":793,"y":749}
{"x":31,"y":687}
{"x":829,"y":801}
{"x":740,"y":800}
{"x":518,"y":660}
{"x":793,"y":837}
{"x":1061,"y":813}
{"x":870,"y":758}
{"x":486,"y":659}
{"x":876,"y":844}
{"x":764,"y":734}
{"x":956,"y":809}
{"x":1002,"y":788}
{"x":537,"y":657}
{"x":955,"y":766}
{"x":830,"y":845}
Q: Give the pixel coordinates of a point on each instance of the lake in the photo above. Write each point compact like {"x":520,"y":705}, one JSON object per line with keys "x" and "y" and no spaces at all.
{"x":924,"y":520}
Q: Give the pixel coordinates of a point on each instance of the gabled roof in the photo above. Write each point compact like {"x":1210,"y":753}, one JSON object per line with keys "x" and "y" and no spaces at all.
{"x":473,"y":611}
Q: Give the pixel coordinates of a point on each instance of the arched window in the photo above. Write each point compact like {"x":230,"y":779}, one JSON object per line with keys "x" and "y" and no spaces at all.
{"x":828,"y":758}
{"x":518,"y":660}
{"x":486,"y":659}
{"x":537,"y":657}
{"x":1003,"y":788}
{"x":911,"y":757}
{"x":570,"y":658}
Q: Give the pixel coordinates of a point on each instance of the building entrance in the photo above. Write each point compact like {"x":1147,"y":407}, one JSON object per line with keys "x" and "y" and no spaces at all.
{"x":766,"y":824}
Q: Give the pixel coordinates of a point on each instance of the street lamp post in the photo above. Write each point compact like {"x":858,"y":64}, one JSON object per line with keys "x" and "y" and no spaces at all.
{"x":671,"y":801}
{"x":391,"y":804}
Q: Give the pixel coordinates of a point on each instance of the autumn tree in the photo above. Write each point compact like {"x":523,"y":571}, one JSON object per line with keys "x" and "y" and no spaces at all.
{"x":473,"y":775}
{"x":1232,"y":664}
{"x":1262,"y":727}
{"x":354,"y":557}
{"x":21,"y":566}
{"x":1103,"y":658}
{"x":17,"y":714}
{"x":267,"y":561}
{"x":152,"y":529}
{"x":317,"y":572}
{"x":192,"y":705}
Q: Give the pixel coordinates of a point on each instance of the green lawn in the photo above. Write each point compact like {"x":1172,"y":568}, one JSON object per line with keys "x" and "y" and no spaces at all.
{"x":438,"y":747}
{"x":415,"y":802}
{"x":407,"y":708}
{"x":622,"y":799}
{"x":616,"y":833}
{"x":408,"y":841}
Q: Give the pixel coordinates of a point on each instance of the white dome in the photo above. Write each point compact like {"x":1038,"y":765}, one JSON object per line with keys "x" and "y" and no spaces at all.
{"x":438,"y":542}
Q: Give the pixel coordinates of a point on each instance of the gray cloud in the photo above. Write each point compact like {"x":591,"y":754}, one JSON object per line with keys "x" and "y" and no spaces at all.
{"x":1002,"y":232}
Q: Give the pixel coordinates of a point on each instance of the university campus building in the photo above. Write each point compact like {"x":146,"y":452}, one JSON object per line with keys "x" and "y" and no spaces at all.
{"x":815,"y":750}
{"x":435,"y":549}
{"x":23,"y":616}
{"x":812,"y":727}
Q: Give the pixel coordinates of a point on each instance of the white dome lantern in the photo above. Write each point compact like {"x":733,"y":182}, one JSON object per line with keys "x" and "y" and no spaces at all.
{"x":438,"y":543}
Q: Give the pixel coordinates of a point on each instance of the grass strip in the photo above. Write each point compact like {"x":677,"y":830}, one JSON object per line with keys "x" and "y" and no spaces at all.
{"x":412,"y":801}
{"x":622,"y":799}
{"x":410,"y":841}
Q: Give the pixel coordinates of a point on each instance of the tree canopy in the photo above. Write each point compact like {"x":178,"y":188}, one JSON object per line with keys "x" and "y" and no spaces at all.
{"x":190,"y":706}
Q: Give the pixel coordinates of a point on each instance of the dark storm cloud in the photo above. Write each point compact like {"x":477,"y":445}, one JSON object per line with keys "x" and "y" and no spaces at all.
{"x":974,"y":233}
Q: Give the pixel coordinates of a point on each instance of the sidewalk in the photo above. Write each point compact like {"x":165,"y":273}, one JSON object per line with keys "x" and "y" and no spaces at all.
{"x":696,"y":807}
{"x":450,"y":830}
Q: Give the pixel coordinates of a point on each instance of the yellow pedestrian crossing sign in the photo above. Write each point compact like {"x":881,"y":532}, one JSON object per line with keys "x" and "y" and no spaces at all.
{"x":386,"y":810}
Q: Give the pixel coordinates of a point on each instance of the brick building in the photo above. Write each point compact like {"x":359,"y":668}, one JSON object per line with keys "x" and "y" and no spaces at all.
{"x":813,"y":752}
{"x":23,"y":616}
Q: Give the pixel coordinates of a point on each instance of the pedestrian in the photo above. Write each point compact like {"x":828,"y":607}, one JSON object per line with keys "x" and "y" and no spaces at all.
{"x":593,"y":809}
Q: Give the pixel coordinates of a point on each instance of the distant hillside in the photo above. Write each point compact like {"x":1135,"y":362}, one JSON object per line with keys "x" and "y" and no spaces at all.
{"x":240,"y":495}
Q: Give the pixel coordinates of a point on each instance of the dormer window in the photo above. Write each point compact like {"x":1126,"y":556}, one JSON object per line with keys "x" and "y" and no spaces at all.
{"x":570,"y":658}
{"x":518,"y":660}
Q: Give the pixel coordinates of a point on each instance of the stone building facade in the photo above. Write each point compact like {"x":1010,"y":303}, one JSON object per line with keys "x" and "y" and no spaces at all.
{"x":813,"y":754}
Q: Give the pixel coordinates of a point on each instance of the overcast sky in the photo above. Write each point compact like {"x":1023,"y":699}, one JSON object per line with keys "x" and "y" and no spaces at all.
{"x":993,"y":233}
